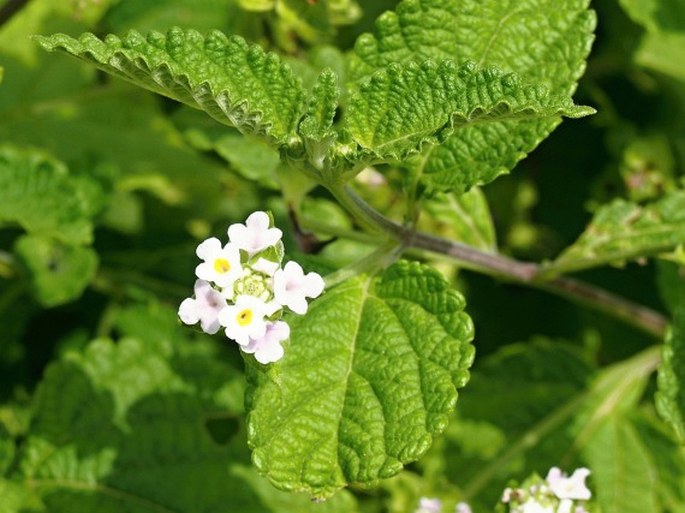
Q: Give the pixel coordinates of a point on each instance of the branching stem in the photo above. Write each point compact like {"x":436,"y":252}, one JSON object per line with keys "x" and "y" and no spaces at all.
{"x":499,"y":266}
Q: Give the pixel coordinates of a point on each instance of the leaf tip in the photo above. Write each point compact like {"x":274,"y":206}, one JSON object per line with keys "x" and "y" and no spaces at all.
{"x":580,"y":111}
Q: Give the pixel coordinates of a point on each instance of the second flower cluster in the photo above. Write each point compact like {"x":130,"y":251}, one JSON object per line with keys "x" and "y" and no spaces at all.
{"x":242,"y":287}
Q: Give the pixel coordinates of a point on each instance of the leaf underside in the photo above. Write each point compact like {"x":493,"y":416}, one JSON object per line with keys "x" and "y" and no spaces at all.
{"x":623,"y":230}
{"x":546,"y":42}
{"x":367,"y":381}
{"x":237,"y":84}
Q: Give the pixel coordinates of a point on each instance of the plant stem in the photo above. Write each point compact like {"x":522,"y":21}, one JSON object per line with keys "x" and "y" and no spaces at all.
{"x":379,"y":259}
{"x":499,"y":266}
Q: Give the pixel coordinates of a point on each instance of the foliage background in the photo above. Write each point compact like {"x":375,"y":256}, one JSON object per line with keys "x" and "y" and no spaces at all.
{"x":101,"y":391}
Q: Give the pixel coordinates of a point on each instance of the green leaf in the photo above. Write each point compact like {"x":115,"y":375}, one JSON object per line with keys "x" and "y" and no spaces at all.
{"x":544,"y":42}
{"x":512,"y":398}
{"x":148,"y":15}
{"x":399,"y":108}
{"x":623,"y":472}
{"x":316,"y":127}
{"x":663,"y":45}
{"x":58,"y":272}
{"x":671,"y":282}
{"x":663,"y":52}
{"x":368,"y":379}
{"x":251,"y":157}
{"x":235,"y":83}
{"x":668,"y":459}
{"x":656,"y":15}
{"x":16,"y":498}
{"x":623,"y":231}
{"x":670,"y":397}
{"x":318,"y":120}
{"x":615,"y":391}
{"x":146,"y":427}
{"x":461,"y":217}
{"x":521,"y":383}
{"x":38,"y":194}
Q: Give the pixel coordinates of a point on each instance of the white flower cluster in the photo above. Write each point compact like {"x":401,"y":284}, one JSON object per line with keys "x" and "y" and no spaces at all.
{"x":243,"y":288}
{"x":430,"y":505}
{"x":558,"y":493}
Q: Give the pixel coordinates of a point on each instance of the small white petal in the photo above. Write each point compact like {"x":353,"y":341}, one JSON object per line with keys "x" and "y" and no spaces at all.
{"x":462,"y":507}
{"x":272,"y":307}
{"x":265,"y":266}
{"x":428,"y":505}
{"x":258,"y":220}
{"x":565,"y":506}
{"x":188,"y":312}
{"x":298,"y":305}
{"x":314,"y":285}
{"x":533,"y":506}
{"x":208,"y":247}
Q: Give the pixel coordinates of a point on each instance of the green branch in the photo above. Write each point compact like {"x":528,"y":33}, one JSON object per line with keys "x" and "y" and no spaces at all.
{"x":499,"y":266}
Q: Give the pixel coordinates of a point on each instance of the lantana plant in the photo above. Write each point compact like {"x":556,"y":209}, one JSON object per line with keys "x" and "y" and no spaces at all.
{"x":380,"y":147}
{"x":242,"y":287}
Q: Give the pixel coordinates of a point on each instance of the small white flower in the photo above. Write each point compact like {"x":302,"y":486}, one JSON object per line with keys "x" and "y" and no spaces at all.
{"x":506,"y":495}
{"x":255,"y":235}
{"x":265,"y":266}
{"x":204,"y":308}
{"x":221,"y":264}
{"x":462,"y":507}
{"x":244,"y":319}
{"x":428,"y":505}
{"x":569,"y":487}
{"x":268,"y":348}
{"x":292,"y":287}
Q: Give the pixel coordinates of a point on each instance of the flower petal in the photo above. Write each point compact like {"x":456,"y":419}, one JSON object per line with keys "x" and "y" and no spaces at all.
{"x":188,"y":311}
{"x":208,"y":247}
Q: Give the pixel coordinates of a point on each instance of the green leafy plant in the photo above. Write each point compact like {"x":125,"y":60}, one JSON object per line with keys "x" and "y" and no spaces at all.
{"x":374,"y":148}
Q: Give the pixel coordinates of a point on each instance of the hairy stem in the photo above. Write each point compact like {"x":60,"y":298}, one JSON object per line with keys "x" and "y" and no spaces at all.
{"x":499,"y":266}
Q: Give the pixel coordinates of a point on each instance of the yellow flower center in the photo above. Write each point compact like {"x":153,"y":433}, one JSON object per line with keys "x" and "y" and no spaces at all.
{"x":221,"y":265}
{"x":244,"y":317}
